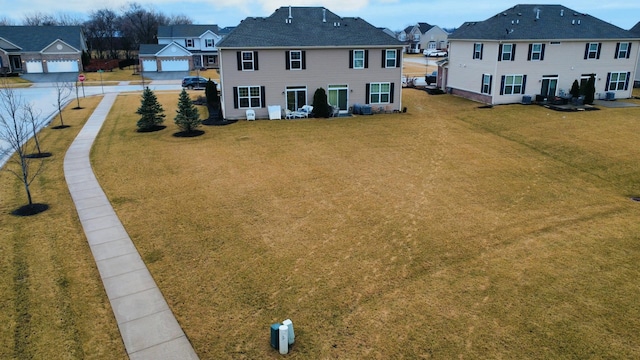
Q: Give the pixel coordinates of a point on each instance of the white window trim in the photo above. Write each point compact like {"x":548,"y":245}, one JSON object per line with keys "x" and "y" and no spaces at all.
{"x":594,"y":52}
{"x":535,"y":52}
{"x":387,"y":58}
{"x":504,"y":52}
{"x":293,"y":61}
{"x":355,"y":59}
{"x":209,"y":42}
{"x":617,"y":81}
{"x":477,"y":54}
{"x":513,"y":85}
{"x":486,"y":82}
{"x":249,"y":97}
{"x":625,"y":51}
{"x":189,"y":42}
{"x":379,"y":93}
{"x":244,"y":61}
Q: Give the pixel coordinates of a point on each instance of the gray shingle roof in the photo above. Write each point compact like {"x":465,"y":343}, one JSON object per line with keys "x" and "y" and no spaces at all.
{"x":548,"y":22}
{"x":636,"y":29}
{"x":307,"y":29}
{"x":151,"y":49}
{"x":424,"y":27}
{"x":183,"y":31}
{"x":36,"y":38}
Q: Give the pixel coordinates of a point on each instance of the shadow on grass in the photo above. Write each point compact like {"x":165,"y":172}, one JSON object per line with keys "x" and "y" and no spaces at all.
{"x":218,"y":122}
{"x":61,"y":127}
{"x":152,"y":129}
{"x":41,"y":155}
{"x":30,"y":210}
{"x":188,"y":134}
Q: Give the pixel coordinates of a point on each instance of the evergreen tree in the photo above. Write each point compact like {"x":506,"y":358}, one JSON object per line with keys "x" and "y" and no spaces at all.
{"x":150,"y":110}
{"x":590,"y":91}
{"x":575,"y":89}
{"x":211,"y":92}
{"x":187,"y":117}
{"x":321,"y":107}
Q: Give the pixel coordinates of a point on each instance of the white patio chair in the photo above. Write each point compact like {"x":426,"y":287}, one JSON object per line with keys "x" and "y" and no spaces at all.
{"x":251,"y":115}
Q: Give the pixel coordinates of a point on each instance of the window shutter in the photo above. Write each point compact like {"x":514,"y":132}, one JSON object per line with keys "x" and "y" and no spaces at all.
{"x":350,"y":59}
{"x":481,"y":50}
{"x":366,"y":59}
{"x":542,"y":53}
{"x":615,"y":56}
{"x":626,"y":84}
{"x":524,"y":84}
{"x":490,"y":83}
{"x":481,"y":83}
{"x":530,"y":50}
{"x":239,"y":56}
{"x":513,"y":52}
{"x":367,"y":92}
{"x":629,"y":50}
{"x":235,"y":97}
{"x":287,"y":58}
{"x":304,"y":60}
{"x":391,"y":94}
{"x":500,"y":52}
{"x":586,"y":51}
{"x":606,"y":85}
{"x":255,"y":60}
{"x":263,"y":103}
{"x":384,"y":58}
{"x":399,"y":56}
{"x":473,"y":53}
{"x":502,"y":85}
{"x":599,"y":48}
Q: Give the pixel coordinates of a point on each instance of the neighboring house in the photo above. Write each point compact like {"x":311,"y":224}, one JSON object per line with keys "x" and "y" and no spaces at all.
{"x":423,"y":36}
{"x":636,"y":30}
{"x":182,"y":48}
{"x":538,"y":51}
{"x":41,"y":49}
{"x":284,"y":58}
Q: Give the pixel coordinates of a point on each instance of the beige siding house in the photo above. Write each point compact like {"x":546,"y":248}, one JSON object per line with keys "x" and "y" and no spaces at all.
{"x":537,"y":52}
{"x":636,"y":30}
{"x":281,"y":60}
{"x":422,"y":36}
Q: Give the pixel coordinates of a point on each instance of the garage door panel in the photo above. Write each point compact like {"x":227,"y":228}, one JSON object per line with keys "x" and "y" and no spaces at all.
{"x":34,"y":67}
{"x":149,"y":65}
{"x":60,"y":66}
{"x":175,"y":65}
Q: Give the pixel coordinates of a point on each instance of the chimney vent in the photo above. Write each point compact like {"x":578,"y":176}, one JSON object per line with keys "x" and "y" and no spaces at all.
{"x":324,"y":15}
{"x":562,"y":12}
{"x":537,"y":14}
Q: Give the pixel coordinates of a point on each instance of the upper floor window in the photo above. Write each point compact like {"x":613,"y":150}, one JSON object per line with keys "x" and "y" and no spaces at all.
{"x":592,"y":51}
{"x":507,"y":52}
{"x":623,"y":50}
{"x":513,"y":84}
{"x":477,"y":50}
{"x":189,"y":42}
{"x":295,"y":60}
{"x":208,"y":42}
{"x":359,"y":59}
{"x":247,"y":60}
{"x":391,"y":58}
{"x":536,"y":52}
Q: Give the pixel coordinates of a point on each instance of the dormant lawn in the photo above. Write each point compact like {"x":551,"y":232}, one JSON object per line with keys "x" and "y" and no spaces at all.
{"x":448,"y":231}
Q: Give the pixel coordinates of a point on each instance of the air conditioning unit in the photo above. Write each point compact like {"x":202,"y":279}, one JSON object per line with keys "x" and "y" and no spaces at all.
{"x":611,"y":96}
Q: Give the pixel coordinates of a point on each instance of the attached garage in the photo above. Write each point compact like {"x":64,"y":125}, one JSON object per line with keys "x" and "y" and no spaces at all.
{"x":149,"y":65}
{"x":34,"y":67}
{"x":175,"y":65}
{"x":62,"y":66}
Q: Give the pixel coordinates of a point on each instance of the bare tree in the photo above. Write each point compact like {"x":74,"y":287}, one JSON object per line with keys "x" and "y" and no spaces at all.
{"x":5,"y":21}
{"x":32,"y":117}
{"x":38,"y":18}
{"x":102,"y":30}
{"x":140,"y":25}
{"x":63,"y":91}
{"x":180,"y":19}
{"x":14,"y":135}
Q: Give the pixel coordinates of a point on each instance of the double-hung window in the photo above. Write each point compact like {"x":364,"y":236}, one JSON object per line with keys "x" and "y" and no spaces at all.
{"x":618,"y":81}
{"x":507,"y":52}
{"x":536,"y":52}
{"x":477,"y":51}
{"x":391,"y":57}
{"x":379,"y":93}
{"x":208,"y":42}
{"x":189,"y":42}
{"x":295,"y":60}
{"x":247,"y":60}
{"x":249,"y":97}
{"x":486,"y":83}
{"x":358,"y":59}
{"x":513,"y":84}
{"x":623,"y":50}
{"x":592,"y":51}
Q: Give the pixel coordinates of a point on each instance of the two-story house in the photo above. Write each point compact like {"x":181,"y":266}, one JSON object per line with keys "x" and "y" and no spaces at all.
{"x":538,"y":51}
{"x":284,"y":58}
{"x":182,"y":48}
{"x":636,"y":30}
{"x":41,"y":49}
{"x":423,"y":36}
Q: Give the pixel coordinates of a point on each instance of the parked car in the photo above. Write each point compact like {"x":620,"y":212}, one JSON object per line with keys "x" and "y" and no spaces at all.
{"x":191,"y":82}
{"x":434,"y":53}
{"x":431,"y":79}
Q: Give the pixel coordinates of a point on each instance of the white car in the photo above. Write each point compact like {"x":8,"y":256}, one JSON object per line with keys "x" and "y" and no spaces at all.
{"x":434,"y":53}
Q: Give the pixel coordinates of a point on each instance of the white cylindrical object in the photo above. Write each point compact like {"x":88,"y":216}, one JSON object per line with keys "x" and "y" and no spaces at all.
{"x":292,"y":336}
{"x":283,"y":338}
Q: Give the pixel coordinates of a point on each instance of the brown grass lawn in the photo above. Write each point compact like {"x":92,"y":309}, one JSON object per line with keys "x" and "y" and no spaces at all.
{"x":52,"y":303}
{"x":448,"y":231}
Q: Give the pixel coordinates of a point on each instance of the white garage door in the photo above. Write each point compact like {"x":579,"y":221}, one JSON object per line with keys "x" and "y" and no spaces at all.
{"x":61,"y":66}
{"x":149,"y":65}
{"x":175,"y":65}
{"x":34,"y":67}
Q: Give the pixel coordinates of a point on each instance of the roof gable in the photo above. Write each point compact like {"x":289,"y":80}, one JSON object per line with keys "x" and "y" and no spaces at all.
{"x":538,"y":22}
{"x":37,"y":38}
{"x":424,"y":27}
{"x":173,"y":49}
{"x":60,"y":47}
{"x":305,"y":27}
{"x":8,"y":45}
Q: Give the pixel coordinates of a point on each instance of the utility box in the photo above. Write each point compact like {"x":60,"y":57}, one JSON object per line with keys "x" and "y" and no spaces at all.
{"x":275,"y":335}
{"x":365,"y":110}
{"x":526,"y":100}
{"x":611,"y":96}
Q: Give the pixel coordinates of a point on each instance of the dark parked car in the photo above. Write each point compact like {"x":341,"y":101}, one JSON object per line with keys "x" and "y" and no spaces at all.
{"x":431,"y":79}
{"x":191,"y":82}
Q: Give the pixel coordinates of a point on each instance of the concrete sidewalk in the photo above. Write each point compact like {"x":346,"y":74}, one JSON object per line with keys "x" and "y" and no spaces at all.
{"x":148,"y":328}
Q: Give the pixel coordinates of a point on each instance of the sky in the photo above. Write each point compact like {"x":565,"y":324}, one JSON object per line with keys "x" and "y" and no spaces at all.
{"x":392,"y":14}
